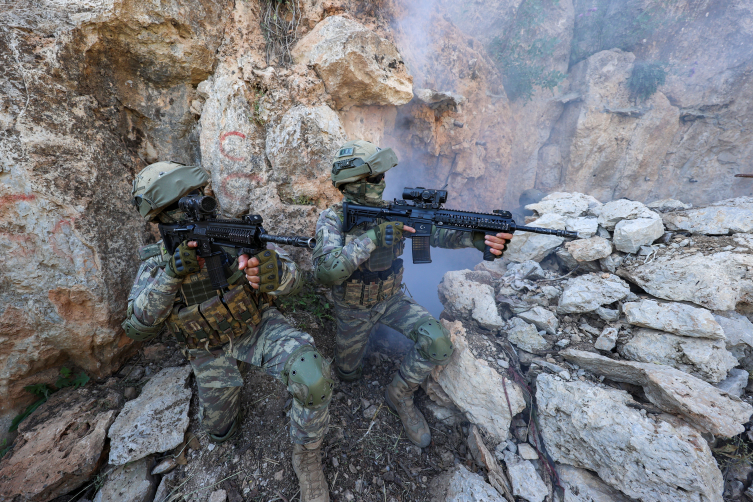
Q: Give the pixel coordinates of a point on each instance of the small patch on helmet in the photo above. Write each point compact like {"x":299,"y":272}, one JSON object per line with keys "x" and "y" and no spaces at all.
{"x":345,"y":152}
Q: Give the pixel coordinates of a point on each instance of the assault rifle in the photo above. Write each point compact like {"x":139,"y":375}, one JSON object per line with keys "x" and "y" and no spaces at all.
{"x":421,"y":208}
{"x":212,"y":233}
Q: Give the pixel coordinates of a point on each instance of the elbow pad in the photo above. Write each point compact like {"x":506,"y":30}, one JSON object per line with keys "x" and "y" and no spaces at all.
{"x":137,"y":331}
{"x":332,"y":271}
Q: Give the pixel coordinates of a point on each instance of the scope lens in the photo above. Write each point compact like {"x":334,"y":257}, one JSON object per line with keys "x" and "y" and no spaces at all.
{"x":208,"y":204}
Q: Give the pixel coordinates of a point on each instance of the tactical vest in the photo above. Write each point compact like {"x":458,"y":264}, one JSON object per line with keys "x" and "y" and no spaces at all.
{"x":379,"y":277}
{"x":203,"y":317}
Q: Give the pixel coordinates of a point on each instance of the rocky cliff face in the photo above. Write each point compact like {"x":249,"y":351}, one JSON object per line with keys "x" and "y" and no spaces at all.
{"x":645,"y":105}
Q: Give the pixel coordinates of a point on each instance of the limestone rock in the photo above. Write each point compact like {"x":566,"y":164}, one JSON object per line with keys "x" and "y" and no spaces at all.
{"x":527,"y":452}
{"x":528,"y":246}
{"x":525,"y":336}
{"x":593,"y":428}
{"x":674,"y":391}
{"x":60,"y":446}
{"x":716,"y":281}
{"x":665,"y":205}
{"x":526,"y":482}
{"x":358,"y":67}
{"x":607,"y":339}
{"x":674,"y":318}
{"x":466,"y":297}
{"x":154,"y":422}
{"x":542,"y":318}
{"x":466,"y":486}
{"x":735,"y":383}
{"x":565,"y":204}
{"x":630,"y":235}
{"x":474,"y":387}
{"x":706,"y":359}
{"x":130,"y":483}
{"x":586,"y":227}
{"x":738,"y":330}
{"x":622,"y":209}
{"x":721,"y":218}
{"x":588,"y":292}
{"x":591,"y":249}
{"x":530,"y":270}
{"x":583,"y":486}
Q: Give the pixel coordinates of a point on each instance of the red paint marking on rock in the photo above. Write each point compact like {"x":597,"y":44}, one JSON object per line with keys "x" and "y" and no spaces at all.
{"x":226,"y":135}
{"x":240,"y":177}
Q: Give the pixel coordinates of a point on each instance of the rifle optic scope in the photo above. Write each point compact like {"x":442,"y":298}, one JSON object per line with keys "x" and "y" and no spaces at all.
{"x":197,"y":204}
{"x":425,"y":194}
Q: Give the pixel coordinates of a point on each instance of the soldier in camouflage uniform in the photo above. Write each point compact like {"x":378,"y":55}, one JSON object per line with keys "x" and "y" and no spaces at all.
{"x":365,"y":271}
{"x":219,"y":329}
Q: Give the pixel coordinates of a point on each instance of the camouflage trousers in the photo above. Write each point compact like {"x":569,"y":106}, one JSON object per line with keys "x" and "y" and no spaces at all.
{"x":355,"y":325}
{"x":269,"y":347}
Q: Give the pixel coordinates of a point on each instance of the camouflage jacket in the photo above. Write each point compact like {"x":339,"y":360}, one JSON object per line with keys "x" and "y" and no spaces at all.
{"x":154,"y":292}
{"x":354,"y":249}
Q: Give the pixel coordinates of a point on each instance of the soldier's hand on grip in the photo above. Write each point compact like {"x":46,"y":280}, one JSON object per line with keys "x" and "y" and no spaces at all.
{"x":262,"y":270}
{"x":183,"y":261}
{"x":386,"y":234}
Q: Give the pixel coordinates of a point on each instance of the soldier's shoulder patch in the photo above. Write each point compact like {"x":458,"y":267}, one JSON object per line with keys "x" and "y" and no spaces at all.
{"x":149,"y":251}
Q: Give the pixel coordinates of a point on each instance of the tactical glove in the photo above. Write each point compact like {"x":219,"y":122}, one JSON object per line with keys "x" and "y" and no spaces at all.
{"x":386,"y":234}
{"x":478,"y":240}
{"x":270,"y":267}
{"x":183,"y":261}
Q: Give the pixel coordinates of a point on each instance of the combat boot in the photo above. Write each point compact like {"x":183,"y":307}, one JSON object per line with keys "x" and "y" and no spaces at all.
{"x":399,"y":396}
{"x":307,"y":464}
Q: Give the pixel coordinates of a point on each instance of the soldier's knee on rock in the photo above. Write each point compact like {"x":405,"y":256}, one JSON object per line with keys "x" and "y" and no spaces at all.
{"x":307,"y":375}
{"x":433,"y":341}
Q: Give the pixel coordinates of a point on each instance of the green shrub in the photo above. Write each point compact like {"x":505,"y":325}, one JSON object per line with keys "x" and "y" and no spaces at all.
{"x":646,"y":78}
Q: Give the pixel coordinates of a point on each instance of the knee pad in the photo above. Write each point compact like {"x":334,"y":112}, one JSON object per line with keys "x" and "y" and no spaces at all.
{"x":307,"y":375}
{"x":433,"y":341}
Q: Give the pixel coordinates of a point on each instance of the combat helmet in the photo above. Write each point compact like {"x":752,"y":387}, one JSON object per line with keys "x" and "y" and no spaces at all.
{"x":159,"y":185}
{"x":359,"y":159}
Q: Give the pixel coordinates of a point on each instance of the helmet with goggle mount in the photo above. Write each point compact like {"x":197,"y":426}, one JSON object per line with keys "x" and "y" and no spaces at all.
{"x":359,"y":159}
{"x":160,"y":185}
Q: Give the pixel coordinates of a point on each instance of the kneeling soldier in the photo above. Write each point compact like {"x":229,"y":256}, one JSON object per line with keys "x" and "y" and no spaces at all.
{"x":365,"y":270}
{"x":218,"y":330}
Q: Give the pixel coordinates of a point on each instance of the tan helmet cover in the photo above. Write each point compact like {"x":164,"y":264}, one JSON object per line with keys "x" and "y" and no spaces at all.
{"x":159,"y":185}
{"x":360,"y":159}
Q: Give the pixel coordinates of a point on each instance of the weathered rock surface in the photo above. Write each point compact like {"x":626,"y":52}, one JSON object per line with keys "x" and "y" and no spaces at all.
{"x":528,"y":246}
{"x":717,"y":281}
{"x":474,"y":387}
{"x":154,"y":422}
{"x":566,"y":204}
{"x":526,"y":482}
{"x":464,"y":296}
{"x":594,"y":248}
{"x":466,"y":486}
{"x":607,"y":339}
{"x":358,"y":66}
{"x":586,"y":227}
{"x":630,"y":235}
{"x":648,"y":459}
{"x":738,"y":330}
{"x":674,"y":391}
{"x":129,"y":483}
{"x":618,"y":210}
{"x":735,"y":383}
{"x":667,"y":205}
{"x":674,"y":318}
{"x":721,"y":218}
{"x":703,"y":358}
{"x":525,"y":336}
{"x":586,"y":293}
{"x":542,"y":318}
{"x":60,"y":446}
{"x":582,"y":486}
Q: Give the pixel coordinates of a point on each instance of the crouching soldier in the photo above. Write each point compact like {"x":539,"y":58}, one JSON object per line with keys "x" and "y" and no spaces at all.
{"x":217,"y":330}
{"x":365,"y":270}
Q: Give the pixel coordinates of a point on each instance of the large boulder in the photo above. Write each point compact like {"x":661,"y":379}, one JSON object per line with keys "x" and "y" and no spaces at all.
{"x":60,"y":446}
{"x":463,"y":296}
{"x":721,"y":218}
{"x":132,"y":482}
{"x":657,"y":459}
{"x":706,"y":359}
{"x":477,"y":389}
{"x":630,"y":235}
{"x":358,"y":67}
{"x":566,"y":204}
{"x":529,"y":246}
{"x":587,"y":293}
{"x":591,"y":249}
{"x":676,"y":318}
{"x":717,"y":281}
{"x":674,"y":391}
{"x":154,"y":422}
{"x":623,"y":209}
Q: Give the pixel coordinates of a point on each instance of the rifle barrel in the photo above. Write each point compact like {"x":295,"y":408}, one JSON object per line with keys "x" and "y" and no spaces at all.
{"x":299,"y":242}
{"x":547,"y":231}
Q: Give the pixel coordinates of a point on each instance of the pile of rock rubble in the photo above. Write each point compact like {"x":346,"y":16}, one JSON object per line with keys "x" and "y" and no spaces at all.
{"x":610,"y":367}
